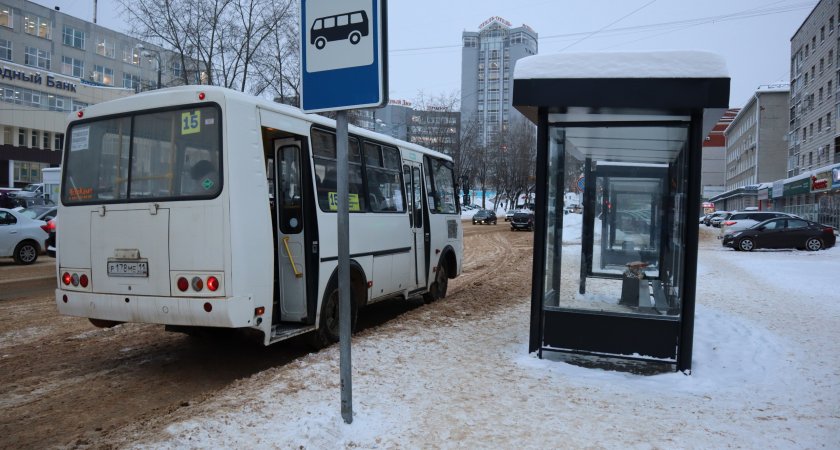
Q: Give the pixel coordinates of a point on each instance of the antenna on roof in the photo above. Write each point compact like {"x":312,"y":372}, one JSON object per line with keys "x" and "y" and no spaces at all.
{"x":94,"y":11}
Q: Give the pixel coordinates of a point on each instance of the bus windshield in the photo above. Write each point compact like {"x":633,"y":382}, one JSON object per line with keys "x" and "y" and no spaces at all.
{"x":161,"y":155}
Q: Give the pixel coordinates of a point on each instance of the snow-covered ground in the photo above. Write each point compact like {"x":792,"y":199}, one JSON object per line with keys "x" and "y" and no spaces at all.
{"x":766,"y":375}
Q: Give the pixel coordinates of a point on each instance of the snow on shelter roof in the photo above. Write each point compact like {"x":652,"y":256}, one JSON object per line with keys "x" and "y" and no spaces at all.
{"x":658,"y":64}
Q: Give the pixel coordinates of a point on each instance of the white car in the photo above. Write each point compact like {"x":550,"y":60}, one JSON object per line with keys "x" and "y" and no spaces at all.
{"x":21,"y":237}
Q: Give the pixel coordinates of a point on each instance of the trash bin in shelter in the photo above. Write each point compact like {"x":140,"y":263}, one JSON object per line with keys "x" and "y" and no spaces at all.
{"x":618,"y":280}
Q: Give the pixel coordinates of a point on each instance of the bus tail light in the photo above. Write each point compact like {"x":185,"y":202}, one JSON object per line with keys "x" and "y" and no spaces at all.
{"x":213,"y":284}
{"x":75,"y":279}
{"x":183,"y":284}
{"x":201,"y":96}
{"x":197,"y":284}
{"x":260,"y":310}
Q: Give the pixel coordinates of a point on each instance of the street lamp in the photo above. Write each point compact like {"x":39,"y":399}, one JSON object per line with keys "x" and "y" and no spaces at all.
{"x":147,"y":54}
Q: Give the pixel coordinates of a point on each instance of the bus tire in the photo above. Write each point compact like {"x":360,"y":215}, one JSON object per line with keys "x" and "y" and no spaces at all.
{"x":355,"y":37}
{"x":328,"y":331}
{"x":440,"y":285}
{"x":102,"y":323}
{"x":320,"y":43}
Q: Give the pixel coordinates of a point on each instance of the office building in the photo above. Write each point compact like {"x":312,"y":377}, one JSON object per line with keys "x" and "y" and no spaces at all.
{"x":52,"y":64}
{"x":488,"y":57}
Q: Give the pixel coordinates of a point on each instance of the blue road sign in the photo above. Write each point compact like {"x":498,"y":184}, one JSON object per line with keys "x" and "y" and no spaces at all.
{"x":343,"y":54}
{"x":580,"y":183}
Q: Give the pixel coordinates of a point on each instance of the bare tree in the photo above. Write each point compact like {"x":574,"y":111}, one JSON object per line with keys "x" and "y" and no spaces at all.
{"x":229,"y":42}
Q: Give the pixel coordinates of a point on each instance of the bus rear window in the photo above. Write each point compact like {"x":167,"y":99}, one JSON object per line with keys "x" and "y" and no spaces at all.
{"x":156,"y":156}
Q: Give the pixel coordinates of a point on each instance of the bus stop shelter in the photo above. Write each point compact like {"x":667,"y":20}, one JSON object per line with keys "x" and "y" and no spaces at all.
{"x":624,"y":131}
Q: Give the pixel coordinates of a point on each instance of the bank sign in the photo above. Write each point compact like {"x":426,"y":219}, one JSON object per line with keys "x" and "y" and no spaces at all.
{"x":12,"y":74}
{"x":343,"y":54}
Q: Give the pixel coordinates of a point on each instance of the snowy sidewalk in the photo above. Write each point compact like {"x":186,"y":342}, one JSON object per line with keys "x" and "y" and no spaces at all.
{"x":766,"y":375}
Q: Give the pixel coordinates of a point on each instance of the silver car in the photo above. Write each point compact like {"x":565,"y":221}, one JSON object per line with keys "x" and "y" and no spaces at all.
{"x":21,"y":237}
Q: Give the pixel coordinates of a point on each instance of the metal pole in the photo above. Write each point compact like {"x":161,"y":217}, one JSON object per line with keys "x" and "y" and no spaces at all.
{"x":343,"y":230}
{"x":159,"y":68}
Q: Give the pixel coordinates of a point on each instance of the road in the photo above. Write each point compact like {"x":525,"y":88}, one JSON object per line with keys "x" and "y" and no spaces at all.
{"x":64,"y":383}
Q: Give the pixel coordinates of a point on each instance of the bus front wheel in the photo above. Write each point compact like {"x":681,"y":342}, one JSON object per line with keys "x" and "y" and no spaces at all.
{"x":320,"y":43}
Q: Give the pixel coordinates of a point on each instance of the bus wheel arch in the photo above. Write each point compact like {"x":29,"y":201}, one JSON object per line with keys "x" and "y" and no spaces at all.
{"x":327,"y":331}
{"x":443,"y":272}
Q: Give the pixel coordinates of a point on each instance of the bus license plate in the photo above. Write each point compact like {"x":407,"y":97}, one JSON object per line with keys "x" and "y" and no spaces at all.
{"x":128,"y":269}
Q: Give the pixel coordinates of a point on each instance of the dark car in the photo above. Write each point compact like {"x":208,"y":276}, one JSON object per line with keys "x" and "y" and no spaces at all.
{"x":522,"y":220}
{"x":50,"y":244}
{"x":782,"y":233}
{"x":484,"y":216}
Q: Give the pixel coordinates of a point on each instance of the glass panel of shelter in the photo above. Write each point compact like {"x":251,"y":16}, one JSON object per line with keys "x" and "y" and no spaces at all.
{"x":616,"y":255}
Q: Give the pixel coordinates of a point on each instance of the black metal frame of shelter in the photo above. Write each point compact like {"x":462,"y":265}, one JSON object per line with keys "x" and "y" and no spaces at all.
{"x":659,"y":325}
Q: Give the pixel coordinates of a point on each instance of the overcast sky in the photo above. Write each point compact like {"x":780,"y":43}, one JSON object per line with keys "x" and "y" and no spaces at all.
{"x":425,"y":36}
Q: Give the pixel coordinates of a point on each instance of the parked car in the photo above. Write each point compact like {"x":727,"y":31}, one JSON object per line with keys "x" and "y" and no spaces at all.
{"x":718,"y":217}
{"x":7,"y":197}
{"x":40,"y":212}
{"x":484,"y":216}
{"x":30,"y":191}
{"x":783,"y":232}
{"x":741,"y":220}
{"x":522,"y":220}
{"x":509,"y":214}
{"x":21,"y":237}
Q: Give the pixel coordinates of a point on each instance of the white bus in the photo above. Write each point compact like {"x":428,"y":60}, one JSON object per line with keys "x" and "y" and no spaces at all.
{"x":199,"y":206}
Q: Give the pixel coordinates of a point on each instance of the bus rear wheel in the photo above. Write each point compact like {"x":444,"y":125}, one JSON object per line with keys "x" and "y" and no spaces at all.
{"x":328,"y":325}
{"x":440,"y":285}
{"x":355,"y":37}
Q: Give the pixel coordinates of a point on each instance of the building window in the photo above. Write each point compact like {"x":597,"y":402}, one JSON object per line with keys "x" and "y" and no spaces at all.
{"x":74,"y":37}
{"x":34,"y":139}
{"x":819,"y":125}
{"x":131,"y":81}
{"x":37,"y":26}
{"x":820,"y":95}
{"x":7,"y":17}
{"x":131,"y":55}
{"x":104,"y":75}
{"x":72,"y":66}
{"x":828,"y":89}
{"x":37,"y":58}
{"x":831,"y":25}
{"x":46,"y":140}
{"x":830,"y":57}
{"x":176,"y":68}
{"x":79,"y":105}
{"x":58,"y":141}
{"x":59,"y":103}
{"x":822,"y":65}
{"x":5,"y":49}
{"x":21,"y":137}
{"x":106,"y":47}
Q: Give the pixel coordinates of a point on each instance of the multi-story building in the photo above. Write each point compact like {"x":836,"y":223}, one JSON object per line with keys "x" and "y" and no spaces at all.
{"x":487,"y":61}
{"x":52,"y":64}
{"x":713,"y":176}
{"x":755,"y":147}
{"x":392,"y":119}
{"x":436,"y":128}
{"x":813,"y":137}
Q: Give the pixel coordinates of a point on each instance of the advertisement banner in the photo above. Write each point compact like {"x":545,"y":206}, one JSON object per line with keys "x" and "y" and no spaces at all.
{"x":802,"y":186}
{"x":835,"y":178}
{"x":821,"y":182}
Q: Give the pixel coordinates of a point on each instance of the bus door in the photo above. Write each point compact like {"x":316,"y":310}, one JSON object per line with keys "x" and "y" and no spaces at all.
{"x":288,"y":193}
{"x":412,"y":173}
